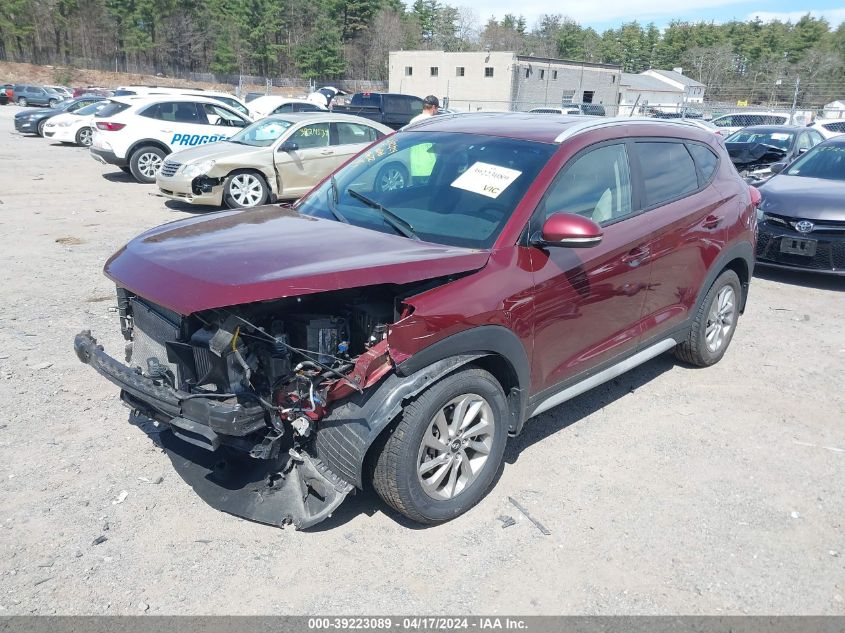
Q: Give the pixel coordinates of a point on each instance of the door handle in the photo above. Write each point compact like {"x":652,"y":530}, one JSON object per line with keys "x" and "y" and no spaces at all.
{"x":712,"y":221}
{"x":327,"y":152}
{"x":636,"y":256}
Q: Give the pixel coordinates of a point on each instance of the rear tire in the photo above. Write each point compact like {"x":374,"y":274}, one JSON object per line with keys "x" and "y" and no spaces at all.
{"x":84,"y":137}
{"x":22,"y":102}
{"x":446,"y":450}
{"x":245,"y":189}
{"x":40,"y":128}
{"x":392,"y":177}
{"x":145,"y":163}
{"x":714,"y":323}
{"x":52,"y":103}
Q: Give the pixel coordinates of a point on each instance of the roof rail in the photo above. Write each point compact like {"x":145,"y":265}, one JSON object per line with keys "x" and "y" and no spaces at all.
{"x":598,"y":123}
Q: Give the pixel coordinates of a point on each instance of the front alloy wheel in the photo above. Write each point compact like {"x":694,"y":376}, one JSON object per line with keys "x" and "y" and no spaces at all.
{"x":456,"y":446}
{"x":145,"y":163}
{"x":84,"y":137}
{"x":446,"y":449}
{"x":245,"y":190}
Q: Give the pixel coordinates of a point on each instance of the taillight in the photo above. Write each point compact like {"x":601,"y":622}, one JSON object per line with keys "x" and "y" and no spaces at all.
{"x":756,"y":196}
{"x":109,"y":126}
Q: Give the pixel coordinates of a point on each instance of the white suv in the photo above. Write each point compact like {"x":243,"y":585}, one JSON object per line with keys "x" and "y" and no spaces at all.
{"x":136,"y":133}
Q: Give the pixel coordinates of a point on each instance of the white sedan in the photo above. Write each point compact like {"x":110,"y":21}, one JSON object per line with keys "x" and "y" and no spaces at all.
{"x":74,"y":127}
{"x":277,"y":104}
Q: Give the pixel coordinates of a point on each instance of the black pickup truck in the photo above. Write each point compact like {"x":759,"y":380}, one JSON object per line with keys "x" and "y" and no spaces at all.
{"x":393,"y":110}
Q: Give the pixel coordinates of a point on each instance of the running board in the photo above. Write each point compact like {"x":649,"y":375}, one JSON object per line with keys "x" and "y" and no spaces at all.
{"x":606,"y":374}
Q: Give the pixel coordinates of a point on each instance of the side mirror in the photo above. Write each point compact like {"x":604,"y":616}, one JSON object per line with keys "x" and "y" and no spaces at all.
{"x":802,"y":150}
{"x":289,"y":146}
{"x":776,"y":168}
{"x":569,"y":230}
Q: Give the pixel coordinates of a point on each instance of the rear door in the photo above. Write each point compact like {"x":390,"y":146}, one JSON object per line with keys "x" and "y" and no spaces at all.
{"x":589,"y":302}
{"x":348,"y":138}
{"x":689,"y":216}
{"x":301,"y":168}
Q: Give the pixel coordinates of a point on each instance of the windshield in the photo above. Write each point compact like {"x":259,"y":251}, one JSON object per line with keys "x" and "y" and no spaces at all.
{"x":823,"y":161}
{"x":449,"y":188}
{"x":261,"y":134}
{"x":781,"y":140}
{"x":92,"y":108}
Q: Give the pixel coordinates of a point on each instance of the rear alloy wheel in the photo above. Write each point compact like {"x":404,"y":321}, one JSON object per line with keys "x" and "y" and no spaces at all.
{"x":445,"y":452}
{"x":84,"y":137}
{"x":392,"y":177}
{"x":145,"y":163}
{"x":22,"y":102}
{"x":244,"y":189}
{"x":714,"y":323}
{"x":52,"y":103}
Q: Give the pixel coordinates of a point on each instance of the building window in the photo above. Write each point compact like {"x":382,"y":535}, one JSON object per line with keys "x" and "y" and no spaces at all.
{"x":409,"y":70}
{"x":488,"y":71}
{"x":588,"y":96}
{"x":542,"y":74}
{"x":554,"y":75}
{"x":434,"y":71}
{"x":568,"y":96}
{"x":459,"y":71}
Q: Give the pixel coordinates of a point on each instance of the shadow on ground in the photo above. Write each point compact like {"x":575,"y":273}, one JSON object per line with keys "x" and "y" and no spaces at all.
{"x":801,"y":278}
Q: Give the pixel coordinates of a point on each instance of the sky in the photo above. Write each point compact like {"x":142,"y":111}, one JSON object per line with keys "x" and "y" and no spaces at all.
{"x":605,"y":14}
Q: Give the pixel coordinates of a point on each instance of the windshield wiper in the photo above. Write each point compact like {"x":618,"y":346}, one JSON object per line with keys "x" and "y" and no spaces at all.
{"x":333,"y":198}
{"x":402,"y":226}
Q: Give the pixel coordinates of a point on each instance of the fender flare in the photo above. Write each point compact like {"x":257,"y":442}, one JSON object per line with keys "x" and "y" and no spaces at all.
{"x":741,"y":250}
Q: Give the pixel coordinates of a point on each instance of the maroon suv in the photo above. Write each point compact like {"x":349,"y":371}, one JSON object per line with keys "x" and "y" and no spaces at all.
{"x":407,"y":316}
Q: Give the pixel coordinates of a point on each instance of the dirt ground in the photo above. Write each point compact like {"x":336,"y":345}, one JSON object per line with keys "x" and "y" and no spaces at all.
{"x":669,"y":491}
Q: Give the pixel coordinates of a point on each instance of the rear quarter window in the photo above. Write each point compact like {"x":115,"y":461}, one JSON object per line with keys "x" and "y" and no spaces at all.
{"x":705,"y":159}
{"x":839,"y":126}
{"x":668,"y":171}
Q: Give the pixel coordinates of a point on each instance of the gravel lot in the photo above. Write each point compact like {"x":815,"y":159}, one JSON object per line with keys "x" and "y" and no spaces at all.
{"x":671,"y":490}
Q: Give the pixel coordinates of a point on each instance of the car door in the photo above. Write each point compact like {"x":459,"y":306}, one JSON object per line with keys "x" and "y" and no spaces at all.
{"x":304,"y":157}
{"x":589,"y":302}
{"x":688,"y":215}
{"x":36,"y":96}
{"x":349,"y":138}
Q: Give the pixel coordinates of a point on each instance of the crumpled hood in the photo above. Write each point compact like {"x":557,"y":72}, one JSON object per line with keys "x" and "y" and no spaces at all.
{"x":218,"y":150}
{"x":802,"y":197}
{"x":754,"y":153}
{"x":272,"y":252}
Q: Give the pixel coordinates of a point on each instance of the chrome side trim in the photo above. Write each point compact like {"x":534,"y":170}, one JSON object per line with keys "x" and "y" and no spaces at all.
{"x":600,"y":122}
{"x":607,"y":374}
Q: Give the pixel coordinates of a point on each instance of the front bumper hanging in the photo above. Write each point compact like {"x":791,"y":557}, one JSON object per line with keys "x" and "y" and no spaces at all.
{"x":207,"y":444}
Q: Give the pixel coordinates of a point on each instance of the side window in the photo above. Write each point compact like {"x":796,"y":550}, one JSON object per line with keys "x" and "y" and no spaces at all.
{"x":705,"y":159}
{"x":352,"y":133}
{"x":597,"y":186}
{"x":175,"y":112}
{"x":815,"y":138}
{"x":725,"y":121}
{"x":306,"y":107}
{"x":804,"y":142}
{"x":285,"y":107}
{"x":668,"y":171}
{"x":311,"y":135}
{"x":835,"y":127}
{"x":186,"y":113}
{"x":220,"y":116}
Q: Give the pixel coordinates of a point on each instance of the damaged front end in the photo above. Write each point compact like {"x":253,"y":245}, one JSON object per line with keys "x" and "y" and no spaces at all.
{"x":754,"y":161}
{"x":240,"y":392}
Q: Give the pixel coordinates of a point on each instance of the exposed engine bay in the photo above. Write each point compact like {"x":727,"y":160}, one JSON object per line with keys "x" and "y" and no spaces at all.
{"x":753,"y":161}
{"x":242,"y":390}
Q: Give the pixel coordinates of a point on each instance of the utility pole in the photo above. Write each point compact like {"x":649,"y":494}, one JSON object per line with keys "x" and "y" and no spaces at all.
{"x":794,"y":100}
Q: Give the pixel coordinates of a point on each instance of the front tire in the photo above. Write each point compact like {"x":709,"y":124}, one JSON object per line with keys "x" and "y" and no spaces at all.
{"x":145,"y":163}
{"x":445,"y":452}
{"x":84,"y":137}
{"x":245,"y":189}
{"x":52,"y":103}
{"x":714,"y":323}
{"x":40,"y":128}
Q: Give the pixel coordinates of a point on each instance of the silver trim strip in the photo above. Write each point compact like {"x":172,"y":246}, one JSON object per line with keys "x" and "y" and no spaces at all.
{"x":598,"y":123}
{"x":607,"y":374}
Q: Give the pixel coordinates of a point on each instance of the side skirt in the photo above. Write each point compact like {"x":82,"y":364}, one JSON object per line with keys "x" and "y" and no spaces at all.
{"x":603,"y":376}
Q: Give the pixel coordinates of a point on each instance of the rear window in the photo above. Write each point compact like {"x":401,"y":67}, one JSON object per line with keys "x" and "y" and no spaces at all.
{"x":111,"y":108}
{"x":705,"y":159}
{"x":124,"y":93}
{"x":668,"y":171}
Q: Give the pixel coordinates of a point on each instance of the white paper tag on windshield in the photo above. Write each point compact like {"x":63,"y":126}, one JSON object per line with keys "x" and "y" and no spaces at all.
{"x":486,"y":179}
{"x":779,"y":136}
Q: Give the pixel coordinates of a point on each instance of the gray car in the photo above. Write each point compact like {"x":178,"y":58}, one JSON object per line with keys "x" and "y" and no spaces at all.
{"x":29,"y":95}
{"x":801,"y":219}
